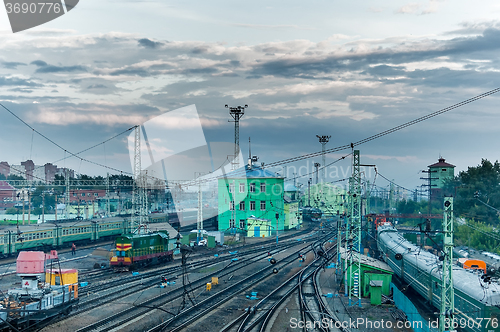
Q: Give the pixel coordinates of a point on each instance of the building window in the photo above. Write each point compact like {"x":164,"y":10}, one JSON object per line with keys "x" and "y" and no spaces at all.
{"x":231,"y":187}
{"x":252,"y":205}
{"x":74,"y":194}
{"x":242,"y":223}
{"x":262,"y":205}
{"x":443,"y":169}
{"x":262,"y":187}
{"x":242,"y":187}
{"x":96,"y":194}
{"x":242,"y":206}
{"x":231,"y":206}
{"x":83,"y":194}
{"x":252,"y":187}
{"x":231,"y":223}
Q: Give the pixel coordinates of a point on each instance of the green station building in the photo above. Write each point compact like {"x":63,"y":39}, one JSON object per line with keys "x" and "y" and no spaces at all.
{"x":325,"y":196}
{"x":251,"y":197}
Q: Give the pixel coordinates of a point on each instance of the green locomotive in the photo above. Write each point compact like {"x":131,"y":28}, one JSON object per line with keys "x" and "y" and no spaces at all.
{"x":134,"y":250}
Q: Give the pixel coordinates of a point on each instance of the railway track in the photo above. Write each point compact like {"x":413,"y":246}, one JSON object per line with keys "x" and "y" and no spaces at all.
{"x":144,"y":282}
{"x":130,"y":313}
{"x":304,"y":283}
{"x":192,"y":314}
{"x":111,"y":291}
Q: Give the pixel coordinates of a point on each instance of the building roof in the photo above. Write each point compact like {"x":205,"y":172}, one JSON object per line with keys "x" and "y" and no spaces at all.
{"x":368,"y":261}
{"x":290,"y":187}
{"x":254,"y":172}
{"x":6,"y":186}
{"x":441,"y":163}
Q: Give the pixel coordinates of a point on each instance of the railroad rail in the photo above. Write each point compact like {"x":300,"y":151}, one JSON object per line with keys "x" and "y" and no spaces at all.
{"x":192,"y":314}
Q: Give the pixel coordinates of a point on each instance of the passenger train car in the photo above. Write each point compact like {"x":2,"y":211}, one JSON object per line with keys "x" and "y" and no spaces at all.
{"x":63,"y":234}
{"x":474,"y":298}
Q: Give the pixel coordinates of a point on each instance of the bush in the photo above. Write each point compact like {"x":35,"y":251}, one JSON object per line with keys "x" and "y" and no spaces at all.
{"x":11,"y":210}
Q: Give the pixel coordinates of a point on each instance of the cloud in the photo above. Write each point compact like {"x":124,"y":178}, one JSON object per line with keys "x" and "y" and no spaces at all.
{"x":38,"y":63}
{"x":12,"y":65}
{"x":270,"y":27}
{"x":15,"y":81}
{"x":148,"y":43}
{"x":97,"y":86}
{"x":410,"y":8}
{"x":59,"y":69}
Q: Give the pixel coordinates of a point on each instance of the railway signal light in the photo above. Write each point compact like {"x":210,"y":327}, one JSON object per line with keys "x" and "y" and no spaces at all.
{"x":272,"y":261}
{"x":275,"y":270}
{"x":398,"y":256}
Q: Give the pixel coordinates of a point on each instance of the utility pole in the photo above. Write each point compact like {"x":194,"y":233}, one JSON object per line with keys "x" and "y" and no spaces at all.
{"x":277,"y":219}
{"x":29,"y":207}
{"x":309,"y":192}
{"x":234,"y":208}
{"x":447,"y":293}
{"x":339,"y":236}
{"x":23,"y":207}
{"x":200,"y":213}
{"x":108,"y":207}
{"x":355,"y":232}
{"x":317,"y":166}
{"x":236,"y":113}
{"x":67,"y":193}
{"x":323,"y":140}
{"x":430,"y":185}
{"x":43,"y":207}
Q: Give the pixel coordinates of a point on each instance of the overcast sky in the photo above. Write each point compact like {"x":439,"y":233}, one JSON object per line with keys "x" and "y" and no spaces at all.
{"x":349,"y":69}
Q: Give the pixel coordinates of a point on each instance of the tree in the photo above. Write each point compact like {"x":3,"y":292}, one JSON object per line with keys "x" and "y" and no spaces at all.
{"x":470,"y":188}
{"x":2,"y":177}
{"x":15,"y":177}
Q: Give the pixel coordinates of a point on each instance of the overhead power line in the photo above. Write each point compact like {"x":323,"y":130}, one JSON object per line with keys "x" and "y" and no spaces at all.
{"x":297,"y":158}
{"x":65,"y":150}
{"x":387,"y":132}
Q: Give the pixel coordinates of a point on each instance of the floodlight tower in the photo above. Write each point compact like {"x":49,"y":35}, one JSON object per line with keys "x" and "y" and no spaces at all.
{"x":236,"y":113}
{"x":323,"y":140}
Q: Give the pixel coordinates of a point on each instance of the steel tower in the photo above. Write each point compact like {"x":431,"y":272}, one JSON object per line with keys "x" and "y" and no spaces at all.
{"x":447,"y":292}
{"x":354,"y":236}
{"x":139,"y":194}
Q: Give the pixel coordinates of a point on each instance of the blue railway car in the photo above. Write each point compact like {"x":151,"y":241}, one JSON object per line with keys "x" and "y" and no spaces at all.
{"x":476,"y":301}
